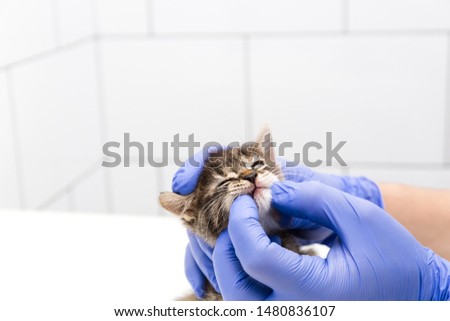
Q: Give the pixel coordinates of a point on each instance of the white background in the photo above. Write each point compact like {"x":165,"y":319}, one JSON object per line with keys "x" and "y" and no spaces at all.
{"x":75,"y":74}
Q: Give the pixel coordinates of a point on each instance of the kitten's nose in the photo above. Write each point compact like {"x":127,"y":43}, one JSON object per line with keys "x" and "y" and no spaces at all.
{"x":250,"y":176}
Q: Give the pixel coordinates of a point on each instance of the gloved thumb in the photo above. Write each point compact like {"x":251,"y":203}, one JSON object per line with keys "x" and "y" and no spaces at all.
{"x":267,"y":261}
{"x":321,"y":204}
{"x":234,"y":283}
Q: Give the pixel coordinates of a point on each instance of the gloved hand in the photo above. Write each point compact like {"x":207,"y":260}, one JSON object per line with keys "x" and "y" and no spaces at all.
{"x":373,"y":258}
{"x":198,"y":265}
{"x":358,"y":186}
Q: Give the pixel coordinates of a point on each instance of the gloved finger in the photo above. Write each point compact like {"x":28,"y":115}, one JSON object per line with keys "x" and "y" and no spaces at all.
{"x":323,"y":205}
{"x":206,"y":248}
{"x":297,"y":173}
{"x":266,"y":261}
{"x":234,"y":283}
{"x":193,"y":273}
{"x":204,"y":263}
{"x":302,"y":173}
{"x":186,"y":178}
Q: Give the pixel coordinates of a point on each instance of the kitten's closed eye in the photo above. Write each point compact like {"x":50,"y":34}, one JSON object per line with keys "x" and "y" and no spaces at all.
{"x":258,"y":164}
{"x":222,"y":183}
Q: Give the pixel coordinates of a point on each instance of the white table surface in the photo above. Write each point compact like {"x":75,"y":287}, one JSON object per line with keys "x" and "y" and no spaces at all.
{"x":52,"y":260}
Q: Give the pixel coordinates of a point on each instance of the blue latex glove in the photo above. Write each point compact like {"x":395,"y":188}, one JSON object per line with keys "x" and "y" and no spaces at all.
{"x":373,"y":258}
{"x":185,"y":181}
{"x":358,"y":186}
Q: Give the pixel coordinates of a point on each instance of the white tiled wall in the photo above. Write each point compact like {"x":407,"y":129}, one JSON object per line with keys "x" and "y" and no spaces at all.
{"x":225,"y":16}
{"x":399,"y":14}
{"x":77,"y":73}
{"x":9,"y":184}
{"x":156,"y":88}
{"x":90,"y":195}
{"x":122,"y":16}
{"x":61,"y":203}
{"x":58,"y":120}
{"x":74,"y":19}
{"x":373,"y":86}
{"x":134,"y":190}
{"x":164,"y":175}
{"x":26,"y":28}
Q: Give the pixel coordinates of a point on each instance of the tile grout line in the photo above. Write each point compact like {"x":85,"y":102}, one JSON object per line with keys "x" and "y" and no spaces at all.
{"x":345,"y":7}
{"x":281,"y":34}
{"x":268,"y":34}
{"x":159,"y":186}
{"x":150,"y":17}
{"x":299,"y":33}
{"x":52,"y":199}
{"x":446,"y":139}
{"x":45,"y":54}
{"x":56,"y":22}
{"x":71,"y":199}
{"x":84,"y":174}
{"x":103,"y":132}
{"x":247,"y":74}
{"x":16,"y":139}
{"x":94,"y":17}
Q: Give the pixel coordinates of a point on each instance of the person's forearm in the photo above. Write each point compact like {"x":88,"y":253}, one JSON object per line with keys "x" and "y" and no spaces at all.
{"x":424,"y":212}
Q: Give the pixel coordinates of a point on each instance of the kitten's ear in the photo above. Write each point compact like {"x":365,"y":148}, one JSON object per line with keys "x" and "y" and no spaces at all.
{"x":172,"y":202}
{"x":265,"y":140}
{"x":178,"y":205}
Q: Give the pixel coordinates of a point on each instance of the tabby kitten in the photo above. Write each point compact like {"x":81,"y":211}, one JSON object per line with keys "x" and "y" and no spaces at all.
{"x":227,"y":174}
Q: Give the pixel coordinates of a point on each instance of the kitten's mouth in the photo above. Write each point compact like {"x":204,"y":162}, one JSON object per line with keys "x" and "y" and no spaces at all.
{"x":257,"y":191}
{"x":251,"y":191}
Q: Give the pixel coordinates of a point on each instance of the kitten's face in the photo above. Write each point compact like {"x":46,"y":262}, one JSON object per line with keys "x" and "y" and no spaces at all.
{"x":227,"y":174}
